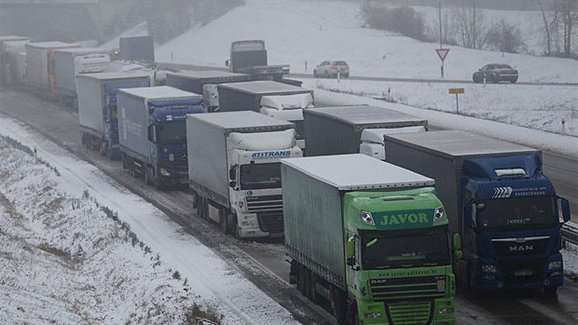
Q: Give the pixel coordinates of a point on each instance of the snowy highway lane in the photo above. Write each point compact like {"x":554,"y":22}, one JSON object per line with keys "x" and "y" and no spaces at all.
{"x":263,"y":263}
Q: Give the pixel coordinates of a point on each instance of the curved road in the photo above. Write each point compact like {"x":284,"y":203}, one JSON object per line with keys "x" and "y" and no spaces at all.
{"x":177,"y":66}
{"x":264,"y":263}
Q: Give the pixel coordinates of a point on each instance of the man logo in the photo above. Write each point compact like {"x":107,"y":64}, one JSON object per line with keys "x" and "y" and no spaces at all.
{"x":521,"y":248}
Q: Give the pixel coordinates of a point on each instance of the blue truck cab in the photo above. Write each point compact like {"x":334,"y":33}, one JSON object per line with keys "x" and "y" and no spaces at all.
{"x":152,"y":133}
{"x":499,"y":201}
{"x":97,"y":107}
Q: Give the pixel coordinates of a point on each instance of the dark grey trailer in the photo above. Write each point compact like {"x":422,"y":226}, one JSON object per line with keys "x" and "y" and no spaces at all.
{"x":194,"y":81}
{"x":246,"y":96}
{"x":338,"y":130}
{"x":137,"y":48}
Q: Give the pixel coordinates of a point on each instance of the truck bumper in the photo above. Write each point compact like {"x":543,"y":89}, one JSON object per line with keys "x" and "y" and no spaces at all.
{"x":531,"y":274}
{"x":249,"y":227}
{"x":439,"y":311}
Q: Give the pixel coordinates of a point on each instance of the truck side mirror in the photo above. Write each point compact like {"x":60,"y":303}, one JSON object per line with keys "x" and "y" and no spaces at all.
{"x":565,"y":209}
{"x":457,"y":246}
{"x":350,"y":251}
{"x":151,"y":133}
{"x":233,"y":176}
{"x":227,"y":62}
{"x":474,"y":215}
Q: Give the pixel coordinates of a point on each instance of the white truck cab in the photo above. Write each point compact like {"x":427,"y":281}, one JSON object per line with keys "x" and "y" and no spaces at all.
{"x":372,"y":139}
{"x":288,"y":108}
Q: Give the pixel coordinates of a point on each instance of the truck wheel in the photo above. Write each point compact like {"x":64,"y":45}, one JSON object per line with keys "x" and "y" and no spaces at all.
{"x":157,"y":180}
{"x":232,"y":223}
{"x":224,"y":222}
{"x":550,"y":291}
{"x":312,"y":283}
{"x":103,"y":148}
{"x":195,"y":200}
{"x":339,"y":305}
{"x":352,"y":314}
{"x":148,"y":175}
{"x":302,"y":280}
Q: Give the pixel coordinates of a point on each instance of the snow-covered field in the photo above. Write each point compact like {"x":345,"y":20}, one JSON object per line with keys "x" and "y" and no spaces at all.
{"x":546,"y":108}
{"x":64,"y":259}
{"x":313,"y":31}
{"x":297,"y":31}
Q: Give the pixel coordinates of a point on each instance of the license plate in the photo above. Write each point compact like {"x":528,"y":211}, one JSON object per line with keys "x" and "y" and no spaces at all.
{"x":523,"y":273}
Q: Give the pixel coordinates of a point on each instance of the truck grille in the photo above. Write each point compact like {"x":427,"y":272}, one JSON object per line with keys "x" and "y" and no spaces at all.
{"x":523,"y":271}
{"x":271,"y":221}
{"x":510,"y":247}
{"x":272,"y":203}
{"x":406,"y":288}
{"x":410,"y":313}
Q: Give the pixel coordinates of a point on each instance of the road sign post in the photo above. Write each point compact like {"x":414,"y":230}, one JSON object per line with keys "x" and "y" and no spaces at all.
{"x":442,"y":53}
{"x":457,"y":91}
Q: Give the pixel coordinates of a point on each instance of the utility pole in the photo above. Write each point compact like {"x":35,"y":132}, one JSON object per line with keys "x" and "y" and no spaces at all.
{"x":474,"y":25}
{"x":440,"y":20}
{"x":441,"y":35}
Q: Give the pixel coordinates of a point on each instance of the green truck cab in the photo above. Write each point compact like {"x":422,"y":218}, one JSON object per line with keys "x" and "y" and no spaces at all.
{"x":369,"y":240}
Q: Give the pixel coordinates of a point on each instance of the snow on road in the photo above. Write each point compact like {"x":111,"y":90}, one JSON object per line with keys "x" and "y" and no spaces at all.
{"x":63,"y":260}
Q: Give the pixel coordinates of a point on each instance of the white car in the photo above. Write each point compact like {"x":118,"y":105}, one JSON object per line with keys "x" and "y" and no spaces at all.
{"x":331,"y":69}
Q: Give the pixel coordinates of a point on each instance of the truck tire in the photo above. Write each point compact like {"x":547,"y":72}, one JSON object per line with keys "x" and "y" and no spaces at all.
{"x":103,"y":148}
{"x":352,"y":314}
{"x":224,"y":222}
{"x":148,"y":175}
{"x":312,"y":283}
{"x":302,"y":280}
{"x":156,"y":180}
{"x":339,"y":305}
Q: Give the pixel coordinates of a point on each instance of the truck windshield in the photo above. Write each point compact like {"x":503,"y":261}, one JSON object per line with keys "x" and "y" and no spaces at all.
{"x":172,"y":132}
{"x":260,"y":176}
{"x":517,"y":213}
{"x":381,"y":250}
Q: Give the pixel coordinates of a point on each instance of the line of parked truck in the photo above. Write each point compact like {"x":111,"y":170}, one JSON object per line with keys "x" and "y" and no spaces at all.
{"x":381,"y":219}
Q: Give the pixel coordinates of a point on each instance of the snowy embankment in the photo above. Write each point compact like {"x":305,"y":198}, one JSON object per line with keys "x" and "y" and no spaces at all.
{"x":304,"y":33}
{"x":565,"y":145}
{"x":545,"y":108}
{"x":78,"y":248}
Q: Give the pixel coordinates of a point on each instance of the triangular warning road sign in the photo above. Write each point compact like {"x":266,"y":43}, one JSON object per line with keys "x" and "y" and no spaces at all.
{"x":442,"y":53}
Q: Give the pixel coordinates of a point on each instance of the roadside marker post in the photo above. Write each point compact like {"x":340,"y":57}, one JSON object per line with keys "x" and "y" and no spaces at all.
{"x":457,"y":91}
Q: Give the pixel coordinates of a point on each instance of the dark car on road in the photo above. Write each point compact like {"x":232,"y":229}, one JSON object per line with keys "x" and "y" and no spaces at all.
{"x":331,"y":69}
{"x":496,"y":72}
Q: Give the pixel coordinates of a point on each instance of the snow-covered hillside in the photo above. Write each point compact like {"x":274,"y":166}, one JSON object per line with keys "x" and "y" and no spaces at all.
{"x":299,"y":32}
{"x":77,"y":248}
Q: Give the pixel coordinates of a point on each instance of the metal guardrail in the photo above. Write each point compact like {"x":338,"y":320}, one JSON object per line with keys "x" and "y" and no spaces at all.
{"x":569,"y":233}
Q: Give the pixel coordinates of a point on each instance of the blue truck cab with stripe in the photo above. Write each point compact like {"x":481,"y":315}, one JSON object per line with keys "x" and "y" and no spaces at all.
{"x":498,"y":199}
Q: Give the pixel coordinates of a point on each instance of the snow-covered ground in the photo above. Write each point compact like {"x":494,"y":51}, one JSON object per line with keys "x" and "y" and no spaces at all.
{"x":546,"y":108}
{"x":65,"y":260}
{"x":313,"y":31}
{"x":564,"y":145}
{"x":297,"y":31}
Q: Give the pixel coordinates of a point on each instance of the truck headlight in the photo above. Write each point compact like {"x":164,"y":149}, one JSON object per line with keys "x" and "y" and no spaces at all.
{"x":373,"y":316}
{"x":367,"y":218}
{"x":439,"y":213}
{"x":164,"y":172}
{"x":489,"y":268}
{"x":441,"y":285}
{"x":555,"y":265}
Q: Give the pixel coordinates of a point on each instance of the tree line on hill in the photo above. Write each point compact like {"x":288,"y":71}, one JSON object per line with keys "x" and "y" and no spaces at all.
{"x":464,"y":24}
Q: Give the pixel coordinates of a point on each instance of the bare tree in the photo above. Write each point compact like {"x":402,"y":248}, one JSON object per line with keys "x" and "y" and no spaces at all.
{"x":569,"y":14}
{"x":546,"y":29}
{"x":469,"y":24}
